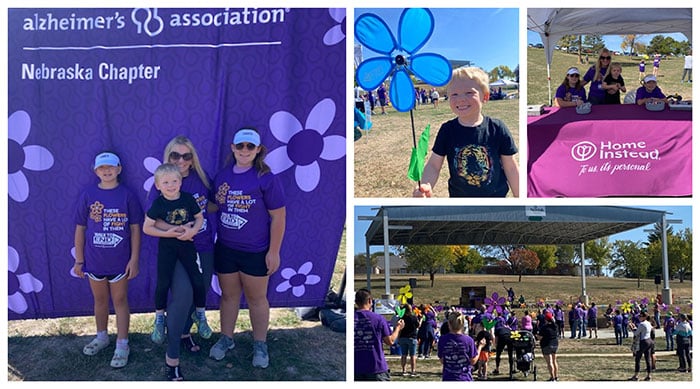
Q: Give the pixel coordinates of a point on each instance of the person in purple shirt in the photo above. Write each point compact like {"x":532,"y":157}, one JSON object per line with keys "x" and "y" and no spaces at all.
{"x":371,"y":333}
{"x":592,"y":316}
{"x":571,"y":92}
{"x":656,"y":64}
{"x":502,"y":337}
{"x":107,"y":243}
{"x":580,"y":309}
{"x":457,"y":351}
{"x":595,"y":75}
{"x":381,"y":95}
{"x":251,"y":222}
{"x":649,"y":92}
{"x":618,"y":324}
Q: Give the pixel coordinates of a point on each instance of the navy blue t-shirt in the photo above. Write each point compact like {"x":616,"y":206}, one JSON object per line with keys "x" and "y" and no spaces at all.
{"x":473,"y":155}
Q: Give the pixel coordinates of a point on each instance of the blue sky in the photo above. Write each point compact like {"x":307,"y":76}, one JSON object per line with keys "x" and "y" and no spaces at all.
{"x":486,"y":36}
{"x":612,"y":42}
{"x":638,"y":234}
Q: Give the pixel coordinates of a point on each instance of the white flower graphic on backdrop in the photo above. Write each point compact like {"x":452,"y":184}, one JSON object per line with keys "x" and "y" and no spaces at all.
{"x":297,"y":279}
{"x":151,"y":164}
{"x":18,"y":284}
{"x":305,"y":145}
{"x":335,"y":34}
{"x":20,"y":156}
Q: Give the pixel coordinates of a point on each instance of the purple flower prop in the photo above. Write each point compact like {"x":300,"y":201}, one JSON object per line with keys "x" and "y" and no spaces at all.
{"x":494,"y":303}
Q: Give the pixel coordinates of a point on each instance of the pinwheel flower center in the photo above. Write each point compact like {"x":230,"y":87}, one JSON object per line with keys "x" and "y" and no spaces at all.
{"x":16,"y":156}
{"x":400,"y":60}
{"x":305,"y":147}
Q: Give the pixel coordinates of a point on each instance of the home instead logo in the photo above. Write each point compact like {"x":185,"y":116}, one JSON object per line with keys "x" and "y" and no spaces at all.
{"x":607,"y":150}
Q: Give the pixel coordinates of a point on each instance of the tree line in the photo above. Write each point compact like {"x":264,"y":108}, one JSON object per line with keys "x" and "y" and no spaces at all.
{"x":619,"y":258}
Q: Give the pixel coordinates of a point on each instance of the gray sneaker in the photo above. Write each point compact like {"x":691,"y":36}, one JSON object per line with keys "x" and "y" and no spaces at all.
{"x":260,"y":356}
{"x":219,"y":349}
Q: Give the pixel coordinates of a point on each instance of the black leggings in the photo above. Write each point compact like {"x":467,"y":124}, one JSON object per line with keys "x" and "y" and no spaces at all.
{"x":503,"y":341}
{"x":169,"y":253}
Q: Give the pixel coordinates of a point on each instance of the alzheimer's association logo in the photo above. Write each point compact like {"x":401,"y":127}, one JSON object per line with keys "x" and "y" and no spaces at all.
{"x":583,"y":151}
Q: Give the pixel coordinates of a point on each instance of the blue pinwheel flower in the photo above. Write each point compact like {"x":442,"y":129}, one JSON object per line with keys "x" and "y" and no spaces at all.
{"x":400,"y":59}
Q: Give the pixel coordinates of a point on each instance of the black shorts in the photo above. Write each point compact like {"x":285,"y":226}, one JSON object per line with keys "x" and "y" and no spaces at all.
{"x":228,"y":260}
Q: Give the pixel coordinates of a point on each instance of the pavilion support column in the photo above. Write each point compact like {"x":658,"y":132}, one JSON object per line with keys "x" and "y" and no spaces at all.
{"x":666,"y":293}
{"x":584,"y":295}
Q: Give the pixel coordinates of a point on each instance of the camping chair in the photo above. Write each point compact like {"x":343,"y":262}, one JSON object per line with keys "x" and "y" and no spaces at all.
{"x":630,"y":97}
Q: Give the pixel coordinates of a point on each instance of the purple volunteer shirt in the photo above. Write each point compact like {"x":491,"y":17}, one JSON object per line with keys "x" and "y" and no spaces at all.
{"x":643,"y":93}
{"x":566,"y":93}
{"x":370,"y":330}
{"x":204,"y":240}
{"x":596,"y":87}
{"x":456,"y":352}
{"x":107,"y":214}
{"x":244,"y":200}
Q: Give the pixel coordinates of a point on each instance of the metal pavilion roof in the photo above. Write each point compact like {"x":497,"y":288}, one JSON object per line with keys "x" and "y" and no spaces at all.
{"x":491,"y":225}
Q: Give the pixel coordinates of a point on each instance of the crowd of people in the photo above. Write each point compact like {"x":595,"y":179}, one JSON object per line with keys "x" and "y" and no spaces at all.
{"x":186,"y":206}
{"x":467,"y":339}
{"x":606,"y":83}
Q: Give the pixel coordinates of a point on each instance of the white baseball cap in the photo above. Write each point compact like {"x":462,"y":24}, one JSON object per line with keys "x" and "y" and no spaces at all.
{"x":106,"y":159}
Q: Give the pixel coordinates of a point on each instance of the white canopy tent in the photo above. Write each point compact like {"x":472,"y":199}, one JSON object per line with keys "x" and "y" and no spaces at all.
{"x":504,"y":83}
{"x":553,"y":23}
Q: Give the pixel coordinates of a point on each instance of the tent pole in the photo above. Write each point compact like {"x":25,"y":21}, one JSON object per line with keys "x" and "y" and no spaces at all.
{"x":549,"y":84}
{"x":666,"y":293}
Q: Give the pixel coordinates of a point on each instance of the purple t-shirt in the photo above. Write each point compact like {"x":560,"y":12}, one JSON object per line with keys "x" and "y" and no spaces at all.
{"x":244,"y":200}
{"x":204,"y":240}
{"x":370,"y":330}
{"x":596,"y":88}
{"x":108,"y":215}
{"x":657,"y":62}
{"x":642,"y":93}
{"x":641,"y":67}
{"x":456,"y":352}
{"x":566,"y":93}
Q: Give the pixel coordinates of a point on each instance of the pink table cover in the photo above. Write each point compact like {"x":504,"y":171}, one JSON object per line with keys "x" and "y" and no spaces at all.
{"x":616,"y":150}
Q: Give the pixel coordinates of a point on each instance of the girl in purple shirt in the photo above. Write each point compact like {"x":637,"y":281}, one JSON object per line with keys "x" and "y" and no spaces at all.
{"x":107,"y":243}
{"x":251,"y":221}
{"x":457,"y":351}
{"x":570,"y":93}
{"x":650,"y":92}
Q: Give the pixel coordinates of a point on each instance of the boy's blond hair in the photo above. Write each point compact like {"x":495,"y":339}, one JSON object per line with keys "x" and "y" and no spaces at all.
{"x":166,"y":168}
{"x":616,"y":65}
{"x":471,"y":73}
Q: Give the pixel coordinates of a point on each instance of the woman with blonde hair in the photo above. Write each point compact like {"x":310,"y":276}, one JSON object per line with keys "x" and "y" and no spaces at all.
{"x":595,"y":75}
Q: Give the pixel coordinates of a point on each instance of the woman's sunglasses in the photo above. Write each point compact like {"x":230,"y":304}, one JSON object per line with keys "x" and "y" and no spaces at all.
{"x":249,"y":146}
{"x":175,"y":156}
{"x":603,"y":57}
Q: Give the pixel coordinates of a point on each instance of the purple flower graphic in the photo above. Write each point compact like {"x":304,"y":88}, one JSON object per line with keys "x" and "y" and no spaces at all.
{"x":151,"y":164}
{"x":494,"y":303}
{"x":19,"y":284}
{"x":335,"y":34}
{"x":20,"y":156}
{"x":305,"y":144}
{"x":297,"y":279}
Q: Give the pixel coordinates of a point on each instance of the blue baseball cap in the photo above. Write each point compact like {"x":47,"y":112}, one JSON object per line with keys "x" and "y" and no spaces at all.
{"x":246,"y":135}
{"x":106,"y":159}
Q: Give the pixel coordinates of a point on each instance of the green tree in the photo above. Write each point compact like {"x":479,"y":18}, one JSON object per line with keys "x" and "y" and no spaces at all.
{"x":631,"y":257}
{"x":500,"y":71}
{"x":593,"y":43}
{"x":547,"y":255}
{"x":361,"y":261}
{"x":679,"y":251}
{"x":467,"y":259}
{"x":661,"y":44}
{"x":568,"y":41}
{"x":566,"y":254}
{"x":429,"y":259}
{"x":599,"y":252}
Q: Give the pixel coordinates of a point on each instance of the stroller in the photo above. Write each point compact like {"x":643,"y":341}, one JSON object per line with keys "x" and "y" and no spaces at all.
{"x":523,"y":343}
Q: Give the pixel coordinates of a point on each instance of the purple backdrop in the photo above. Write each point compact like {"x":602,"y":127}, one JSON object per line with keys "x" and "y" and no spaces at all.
{"x":85,"y":80}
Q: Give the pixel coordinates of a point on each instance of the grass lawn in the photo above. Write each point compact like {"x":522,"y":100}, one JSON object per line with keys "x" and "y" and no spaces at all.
{"x":669,"y":79}
{"x":382,"y":154}
{"x":51,"y":349}
{"x":579,"y":360}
